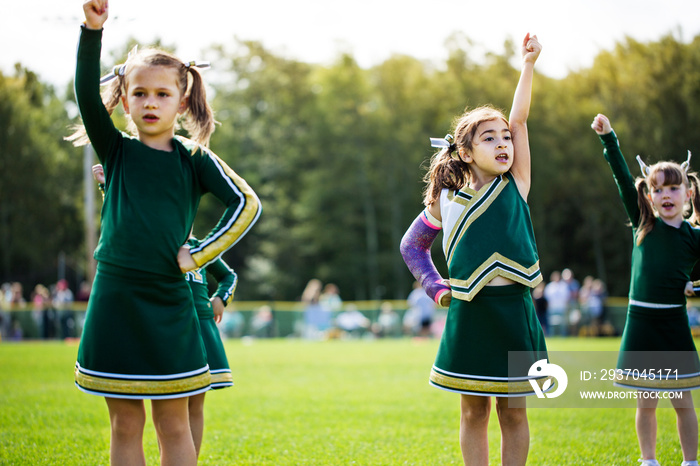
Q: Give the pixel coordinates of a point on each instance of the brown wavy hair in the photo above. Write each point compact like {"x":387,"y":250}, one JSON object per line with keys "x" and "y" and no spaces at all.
{"x":447,"y":169}
{"x":198,"y":118}
{"x":673,"y":174}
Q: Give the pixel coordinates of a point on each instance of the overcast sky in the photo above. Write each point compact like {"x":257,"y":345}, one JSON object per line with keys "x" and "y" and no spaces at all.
{"x":42,"y":34}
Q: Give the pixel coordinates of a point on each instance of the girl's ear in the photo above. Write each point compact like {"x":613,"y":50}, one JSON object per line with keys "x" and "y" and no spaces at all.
{"x":184,"y":102}
{"x":464,"y":155}
{"x":125,"y":104}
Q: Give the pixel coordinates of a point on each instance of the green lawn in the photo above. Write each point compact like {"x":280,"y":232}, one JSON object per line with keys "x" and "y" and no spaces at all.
{"x":307,"y":403}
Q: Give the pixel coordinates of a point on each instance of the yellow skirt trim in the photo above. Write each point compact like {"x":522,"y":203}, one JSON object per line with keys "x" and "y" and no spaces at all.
{"x":142,"y":387}
{"x":221,"y":377}
{"x":519,"y":387}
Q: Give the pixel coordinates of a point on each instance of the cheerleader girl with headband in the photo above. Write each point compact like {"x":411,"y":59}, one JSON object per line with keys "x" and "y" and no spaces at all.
{"x":657,"y":335}
{"x":477,"y":188}
{"x":141,"y":339}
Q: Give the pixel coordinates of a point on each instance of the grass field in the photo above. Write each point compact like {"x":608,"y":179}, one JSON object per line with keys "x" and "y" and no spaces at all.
{"x":307,"y":403}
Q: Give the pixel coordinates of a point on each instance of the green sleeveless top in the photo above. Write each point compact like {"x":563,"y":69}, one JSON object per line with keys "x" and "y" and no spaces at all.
{"x":488,"y":234}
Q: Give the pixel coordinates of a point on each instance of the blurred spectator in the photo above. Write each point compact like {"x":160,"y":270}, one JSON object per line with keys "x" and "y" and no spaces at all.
{"x":5,"y":296}
{"x":83,"y":293}
{"x":63,"y":303}
{"x":422,"y":309}
{"x":262,"y":323}
{"x":411,"y":322}
{"x":557,"y":294}
{"x":540,"y":305}
{"x":572,"y":309}
{"x":567,"y":275}
{"x":16,"y":296}
{"x":41,"y":300}
{"x":315,"y":317}
{"x":388,"y":323}
{"x":596,"y":305}
{"x":14,"y":299}
{"x":232,"y":324}
{"x":352,"y":322}
{"x":330,"y":300}
{"x":584,"y":292}
{"x":583,"y":300}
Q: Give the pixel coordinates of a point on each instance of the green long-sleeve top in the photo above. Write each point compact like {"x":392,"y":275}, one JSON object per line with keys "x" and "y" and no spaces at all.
{"x":152,"y":196}
{"x":662,"y":264}
{"x":225,"y":277}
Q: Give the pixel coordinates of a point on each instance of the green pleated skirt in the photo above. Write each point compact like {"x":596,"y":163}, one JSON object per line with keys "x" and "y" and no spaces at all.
{"x":216,"y":355}
{"x":657,"y":351}
{"x":473,"y":356}
{"x":141,"y":338}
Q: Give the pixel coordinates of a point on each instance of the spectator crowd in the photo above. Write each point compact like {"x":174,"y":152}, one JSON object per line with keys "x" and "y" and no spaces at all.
{"x":565,"y":307}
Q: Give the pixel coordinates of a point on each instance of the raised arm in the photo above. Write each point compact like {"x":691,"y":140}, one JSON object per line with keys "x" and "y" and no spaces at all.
{"x":519,"y":113}
{"x":96,"y":119}
{"x":621,"y":172}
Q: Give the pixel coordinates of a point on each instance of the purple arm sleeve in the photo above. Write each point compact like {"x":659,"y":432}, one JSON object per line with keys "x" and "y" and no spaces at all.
{"x":415,"y":249}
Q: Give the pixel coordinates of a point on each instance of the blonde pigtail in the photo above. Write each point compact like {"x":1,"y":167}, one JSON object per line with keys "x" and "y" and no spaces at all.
{"x":199,"y":119}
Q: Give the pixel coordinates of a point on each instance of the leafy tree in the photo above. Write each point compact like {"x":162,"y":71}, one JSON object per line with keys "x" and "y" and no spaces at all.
{"x":40,"y":196}
{"x":337,"y":154}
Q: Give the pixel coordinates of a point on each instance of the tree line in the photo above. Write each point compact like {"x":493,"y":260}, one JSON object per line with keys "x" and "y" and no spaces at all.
{"x":337,"y":154}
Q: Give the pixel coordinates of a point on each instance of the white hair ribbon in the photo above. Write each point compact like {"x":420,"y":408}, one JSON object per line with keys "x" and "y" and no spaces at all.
{"x":443,"y":143}
{"x":202,"y":65}
{"x":119,"y":70}
{"x":686,"y":165}
{"x":643,"y":166}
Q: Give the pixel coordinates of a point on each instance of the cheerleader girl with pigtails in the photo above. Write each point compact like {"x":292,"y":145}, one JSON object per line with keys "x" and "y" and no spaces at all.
{"x":657,"y":352}
{"x":210,"y":310}
{"x":141,"y":338}
{"x":477,"y":194}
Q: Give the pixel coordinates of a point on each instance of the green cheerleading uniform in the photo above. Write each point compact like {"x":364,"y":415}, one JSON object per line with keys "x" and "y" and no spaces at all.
{"x":657,"y":332}
{"x":488,"y":234}
{"x":227,"y":281}
{"x":141,"y":335}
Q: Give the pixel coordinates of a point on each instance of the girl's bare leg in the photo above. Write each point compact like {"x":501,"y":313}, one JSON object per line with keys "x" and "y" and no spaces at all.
{"x":127,"y":419}
{"x":171,"y":420}
{"x":473,"y":427}
{"x":645,"y":422}
{"x":515,"y":431}
{"x":687,"y":422}
{"x":196,"y":410}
